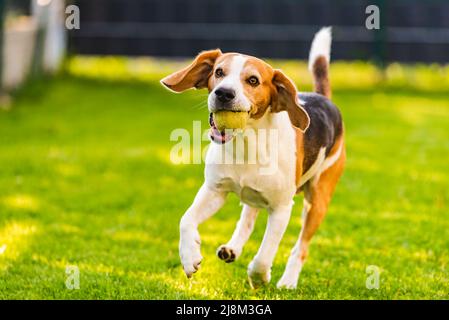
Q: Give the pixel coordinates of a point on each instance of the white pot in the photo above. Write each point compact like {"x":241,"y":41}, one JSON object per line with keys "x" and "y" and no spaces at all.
{"x":18,"y":50}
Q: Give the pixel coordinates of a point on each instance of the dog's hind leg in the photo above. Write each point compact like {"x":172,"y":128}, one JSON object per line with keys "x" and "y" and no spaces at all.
{"x":207,"y":202}
{"x":232,"y":250}
{"x":317,"y":195}
{"x":259,"y":270}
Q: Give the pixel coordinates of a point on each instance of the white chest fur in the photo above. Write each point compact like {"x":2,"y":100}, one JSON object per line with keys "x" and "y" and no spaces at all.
{"x":267,"y":181}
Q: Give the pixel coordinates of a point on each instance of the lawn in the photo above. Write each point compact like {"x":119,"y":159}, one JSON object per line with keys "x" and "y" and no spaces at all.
{"x":86,"y":180}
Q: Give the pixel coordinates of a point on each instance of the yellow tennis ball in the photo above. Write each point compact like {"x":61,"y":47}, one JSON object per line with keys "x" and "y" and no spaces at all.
{"x":230,"y":120}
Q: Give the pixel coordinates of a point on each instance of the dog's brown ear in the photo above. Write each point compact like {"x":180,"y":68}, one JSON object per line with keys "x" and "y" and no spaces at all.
{"x":285,"y":98}
{"x":195,"y":75}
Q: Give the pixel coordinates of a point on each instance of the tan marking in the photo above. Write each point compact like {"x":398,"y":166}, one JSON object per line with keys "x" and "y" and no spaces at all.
{"x":338,"y":142}
{"x":321,"y":77}
{"x":286,"y":99}
{"x":260,"y":96}
{"x":319,"y":195}
{"x":195,"y":75}
{"x":299,"y":154}
{"x":224,"y":62}
{"x":338,"y":147}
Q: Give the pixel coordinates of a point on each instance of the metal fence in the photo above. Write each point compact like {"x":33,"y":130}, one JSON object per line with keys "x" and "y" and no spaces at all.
{"x":411,"y":30}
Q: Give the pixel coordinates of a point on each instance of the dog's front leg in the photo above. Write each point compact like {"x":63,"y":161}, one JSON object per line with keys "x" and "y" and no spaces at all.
{"x":232,"y":250}
{"x":206,"y":203}
{"x":259,"y":270}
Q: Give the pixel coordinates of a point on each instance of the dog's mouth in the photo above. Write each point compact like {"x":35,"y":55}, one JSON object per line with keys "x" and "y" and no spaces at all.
{"x":217,"y":136}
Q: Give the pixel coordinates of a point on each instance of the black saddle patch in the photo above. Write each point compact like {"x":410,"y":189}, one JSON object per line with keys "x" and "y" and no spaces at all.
{"x":326,"y":126}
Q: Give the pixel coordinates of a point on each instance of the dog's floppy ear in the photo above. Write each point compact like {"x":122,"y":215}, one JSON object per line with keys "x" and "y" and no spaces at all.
{"x":285,"y":98}
{"x":195,"y":75}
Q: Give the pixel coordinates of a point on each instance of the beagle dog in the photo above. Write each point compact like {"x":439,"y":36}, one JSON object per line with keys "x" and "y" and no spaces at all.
{"x":310,"y":155}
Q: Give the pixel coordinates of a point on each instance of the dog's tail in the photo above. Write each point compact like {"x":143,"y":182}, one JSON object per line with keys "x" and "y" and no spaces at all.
{"x":319,"y":59}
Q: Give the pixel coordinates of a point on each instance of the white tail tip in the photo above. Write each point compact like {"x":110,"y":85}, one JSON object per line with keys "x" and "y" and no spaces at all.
{"x":321,"y":46}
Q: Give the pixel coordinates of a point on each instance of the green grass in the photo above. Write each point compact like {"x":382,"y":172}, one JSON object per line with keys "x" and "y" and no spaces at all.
{"x":86,"y":180}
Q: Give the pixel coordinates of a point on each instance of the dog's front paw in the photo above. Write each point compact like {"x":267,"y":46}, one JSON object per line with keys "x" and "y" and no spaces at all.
{"x":258,"y":275}
{"x":227,"y":254}
{"x":189,"y":251}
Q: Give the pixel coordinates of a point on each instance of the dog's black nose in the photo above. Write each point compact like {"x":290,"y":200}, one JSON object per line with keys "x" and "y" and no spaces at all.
{"x":224,"y":94}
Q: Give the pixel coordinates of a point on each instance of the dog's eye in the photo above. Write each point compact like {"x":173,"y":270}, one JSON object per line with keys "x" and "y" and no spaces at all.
{"x":253,"y":81}
{"x":219,"y":73}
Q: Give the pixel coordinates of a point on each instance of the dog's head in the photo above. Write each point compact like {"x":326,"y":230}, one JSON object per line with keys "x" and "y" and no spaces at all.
{"x":238,"y":82}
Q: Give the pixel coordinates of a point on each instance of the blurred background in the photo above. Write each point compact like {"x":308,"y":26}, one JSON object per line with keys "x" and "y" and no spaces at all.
{"x":85,"y":173}
{"x":35,"y":37}
{"x":412,"y":30}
